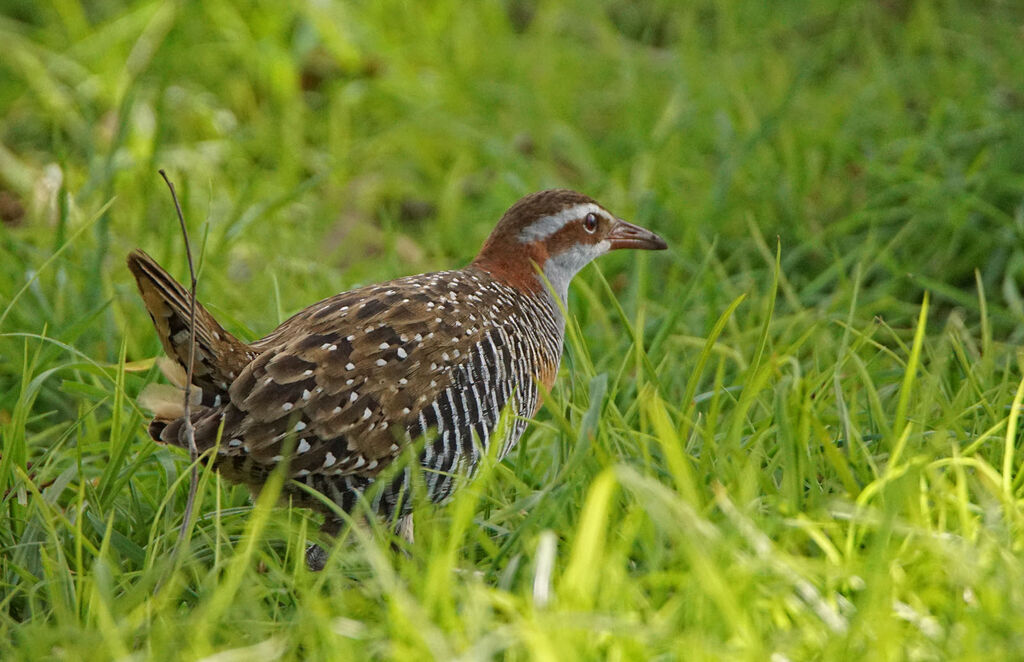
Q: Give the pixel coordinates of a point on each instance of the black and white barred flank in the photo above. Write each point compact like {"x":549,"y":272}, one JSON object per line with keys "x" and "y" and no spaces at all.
{"x":500,"y":374}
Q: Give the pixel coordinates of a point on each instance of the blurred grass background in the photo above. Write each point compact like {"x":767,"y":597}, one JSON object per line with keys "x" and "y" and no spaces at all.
{"x":742,"y":459}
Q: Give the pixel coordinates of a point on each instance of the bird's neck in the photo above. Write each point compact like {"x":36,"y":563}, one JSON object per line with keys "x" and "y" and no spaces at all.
{"x":537,"y":316}
{"x":532,"y":283}
{"x":527,"y":267}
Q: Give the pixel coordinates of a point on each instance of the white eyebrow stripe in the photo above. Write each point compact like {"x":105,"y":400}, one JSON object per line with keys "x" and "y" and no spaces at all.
{"x":546,"y":226}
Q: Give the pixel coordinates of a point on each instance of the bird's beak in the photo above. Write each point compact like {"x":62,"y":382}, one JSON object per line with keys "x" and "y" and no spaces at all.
{"x":627,"y":235}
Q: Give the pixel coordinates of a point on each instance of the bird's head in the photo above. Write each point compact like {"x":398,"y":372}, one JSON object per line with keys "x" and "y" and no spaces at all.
{"x":558,"y":232}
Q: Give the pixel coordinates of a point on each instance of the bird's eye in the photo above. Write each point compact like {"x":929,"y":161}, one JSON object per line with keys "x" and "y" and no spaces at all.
{"x":590,"y":222}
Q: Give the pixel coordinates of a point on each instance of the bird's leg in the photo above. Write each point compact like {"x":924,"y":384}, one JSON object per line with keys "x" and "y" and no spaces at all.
{"x":404,"y":528}
{"x":316,"y":556}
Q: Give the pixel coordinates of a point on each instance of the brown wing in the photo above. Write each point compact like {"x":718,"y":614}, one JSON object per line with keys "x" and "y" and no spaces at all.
{"x":344,"y":380}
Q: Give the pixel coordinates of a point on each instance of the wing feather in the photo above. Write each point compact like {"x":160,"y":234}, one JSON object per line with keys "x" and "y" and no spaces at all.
{"x":345,"y":380}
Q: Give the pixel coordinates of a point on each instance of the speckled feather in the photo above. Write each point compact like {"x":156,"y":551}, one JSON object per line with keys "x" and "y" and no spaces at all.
{"x":342,"y":387}
{"x":350,"y":381}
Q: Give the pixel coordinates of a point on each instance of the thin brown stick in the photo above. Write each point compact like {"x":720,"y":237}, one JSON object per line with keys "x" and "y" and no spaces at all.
{"x":190,"y":432}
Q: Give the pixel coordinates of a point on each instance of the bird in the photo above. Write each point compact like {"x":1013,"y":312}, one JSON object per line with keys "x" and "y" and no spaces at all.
{"x":344,"y":387}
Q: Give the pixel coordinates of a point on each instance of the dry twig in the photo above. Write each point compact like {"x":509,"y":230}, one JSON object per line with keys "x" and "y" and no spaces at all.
{"x":190,"y":433}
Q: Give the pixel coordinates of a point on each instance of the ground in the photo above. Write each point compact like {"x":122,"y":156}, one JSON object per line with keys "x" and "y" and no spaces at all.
{"x":795,"y":435}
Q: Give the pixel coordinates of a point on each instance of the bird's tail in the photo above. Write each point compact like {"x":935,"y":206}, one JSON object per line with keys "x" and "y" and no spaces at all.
{"x":219,"y":356}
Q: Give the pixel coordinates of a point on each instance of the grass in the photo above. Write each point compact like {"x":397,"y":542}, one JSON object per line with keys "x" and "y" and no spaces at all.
{"x":795,"y":435}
